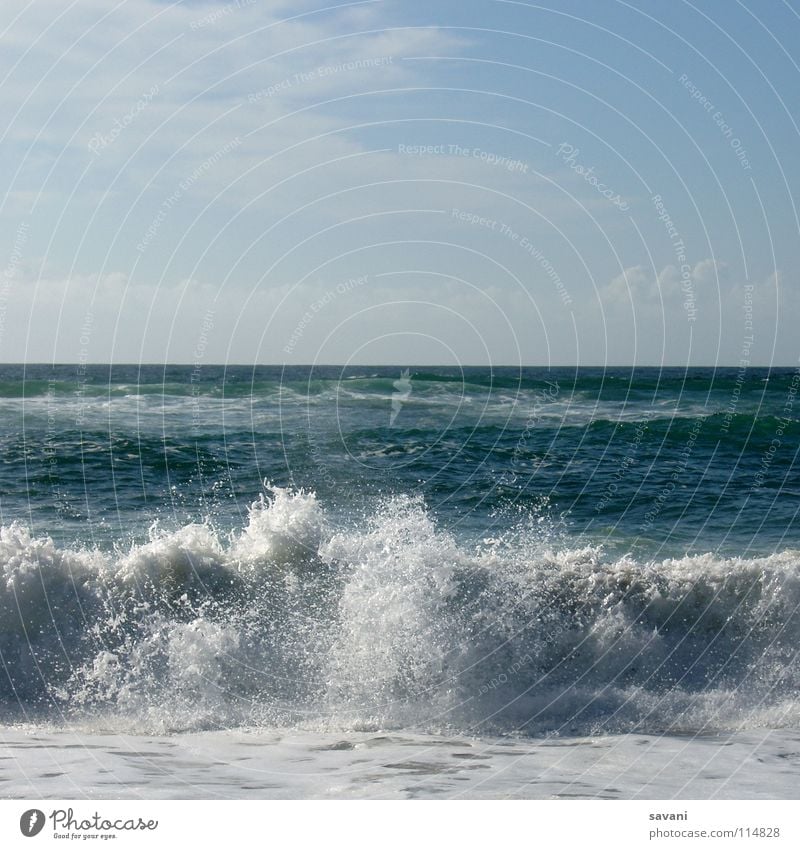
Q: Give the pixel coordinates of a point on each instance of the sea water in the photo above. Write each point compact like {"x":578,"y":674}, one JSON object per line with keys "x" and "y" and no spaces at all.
{"x":478,"y":556}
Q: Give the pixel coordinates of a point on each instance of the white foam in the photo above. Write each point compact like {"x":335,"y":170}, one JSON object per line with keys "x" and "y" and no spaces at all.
{"x":297,"y":764}
{"x":392,"y":623}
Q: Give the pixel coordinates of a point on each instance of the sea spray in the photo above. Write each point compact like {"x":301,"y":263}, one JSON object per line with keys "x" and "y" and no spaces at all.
{"x":390,"y":621}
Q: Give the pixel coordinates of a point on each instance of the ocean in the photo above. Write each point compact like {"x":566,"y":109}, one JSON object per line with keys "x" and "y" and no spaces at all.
{"x":421,"y":574}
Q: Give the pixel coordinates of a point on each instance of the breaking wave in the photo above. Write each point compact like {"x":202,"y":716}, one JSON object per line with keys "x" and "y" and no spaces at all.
{"x":392,"y":623}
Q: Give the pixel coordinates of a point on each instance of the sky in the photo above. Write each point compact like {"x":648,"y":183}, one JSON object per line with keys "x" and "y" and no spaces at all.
{"x":589,"y":182}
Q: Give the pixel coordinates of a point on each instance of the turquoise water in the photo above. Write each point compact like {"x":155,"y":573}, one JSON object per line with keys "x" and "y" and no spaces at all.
{"x":656,"y":460}
{"x":500,"y":551}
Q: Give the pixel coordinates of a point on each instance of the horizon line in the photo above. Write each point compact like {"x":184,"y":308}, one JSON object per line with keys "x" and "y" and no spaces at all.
{"x":195,"y":364}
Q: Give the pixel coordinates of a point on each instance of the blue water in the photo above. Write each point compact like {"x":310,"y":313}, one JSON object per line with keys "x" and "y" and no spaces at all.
{"x":658,"y":460}
{"x":203,"y":546}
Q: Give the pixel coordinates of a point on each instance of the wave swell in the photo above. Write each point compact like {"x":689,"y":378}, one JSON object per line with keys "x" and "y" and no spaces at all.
{"x":392,"y":623}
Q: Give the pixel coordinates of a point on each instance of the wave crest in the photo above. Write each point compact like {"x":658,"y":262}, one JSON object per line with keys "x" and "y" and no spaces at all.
{"x":393,"y":623}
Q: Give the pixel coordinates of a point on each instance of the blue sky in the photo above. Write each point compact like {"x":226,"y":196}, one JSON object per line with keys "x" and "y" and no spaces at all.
{"x":400,"y":182}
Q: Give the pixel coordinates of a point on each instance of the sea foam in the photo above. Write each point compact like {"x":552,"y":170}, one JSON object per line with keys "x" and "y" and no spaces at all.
{"x":391,"y":622}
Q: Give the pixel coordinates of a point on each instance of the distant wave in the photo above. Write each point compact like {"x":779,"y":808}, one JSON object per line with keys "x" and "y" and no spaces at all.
{"x":607,"y":384}
{"x":388,"y":623}
{"x":495,"y":407}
